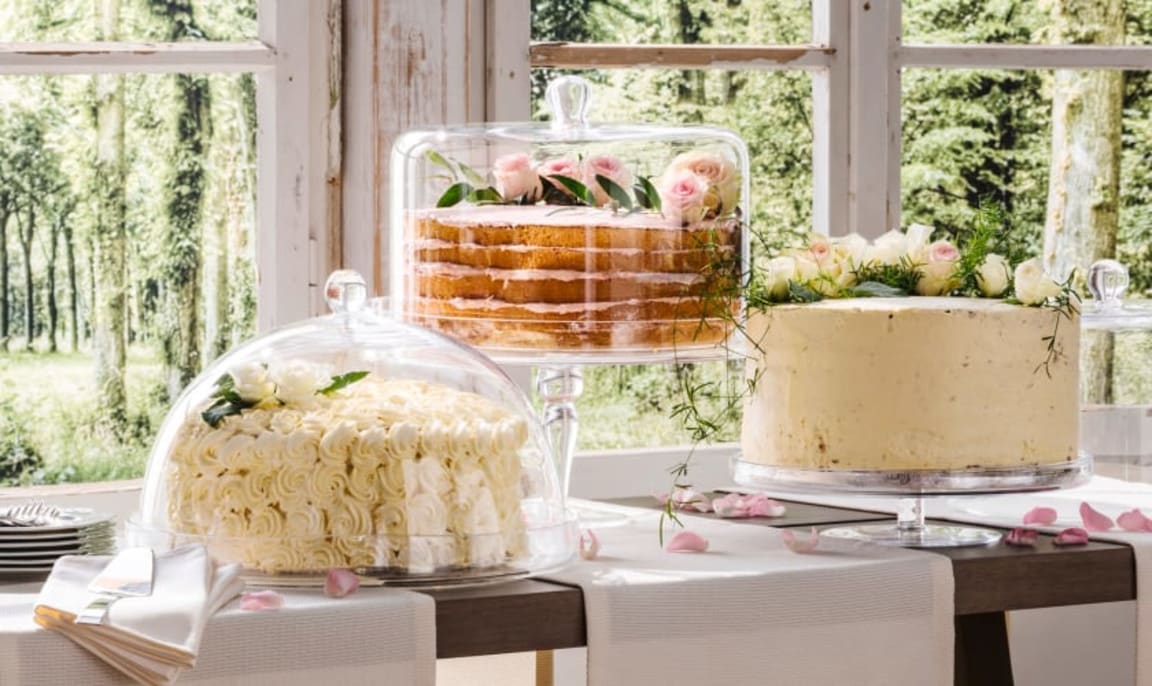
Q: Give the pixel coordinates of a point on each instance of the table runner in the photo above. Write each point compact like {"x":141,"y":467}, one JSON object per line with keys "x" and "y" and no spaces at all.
{"x":751,"y":611}
{"x":377,"y":636}
{"x":1111,"y":496}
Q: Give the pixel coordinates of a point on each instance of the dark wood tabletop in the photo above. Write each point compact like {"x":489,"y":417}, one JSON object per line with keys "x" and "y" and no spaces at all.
{"x":539,"y":615}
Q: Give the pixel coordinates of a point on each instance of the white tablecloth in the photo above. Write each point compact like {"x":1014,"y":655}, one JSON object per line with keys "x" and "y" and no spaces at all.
{"x":1110,"y":496}
{"x":377,"y":636}
{"x":751,"y":611}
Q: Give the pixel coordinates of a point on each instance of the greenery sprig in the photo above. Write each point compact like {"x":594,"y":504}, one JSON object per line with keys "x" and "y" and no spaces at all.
{"x":1066,"y":306}
{"x":227,"y":402}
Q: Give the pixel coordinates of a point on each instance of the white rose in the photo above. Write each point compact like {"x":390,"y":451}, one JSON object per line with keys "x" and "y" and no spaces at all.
{"x":886,"y":250}
{"x":297,"y":381}
{"x":851,"y":248}
{"x":1033,"y":285}
{"x":251,"y":382}
{"x":938,"y":270}
{"x":917,"y":238}
{"x":778,"y":272}
{"x":806,"y":269}
{"x":835,"y":274}
{"x":993,"y":276}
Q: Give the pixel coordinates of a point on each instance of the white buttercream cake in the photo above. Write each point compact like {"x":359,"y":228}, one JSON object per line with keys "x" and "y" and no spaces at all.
{"x":915,"y":383}
{"x":407,"y":475}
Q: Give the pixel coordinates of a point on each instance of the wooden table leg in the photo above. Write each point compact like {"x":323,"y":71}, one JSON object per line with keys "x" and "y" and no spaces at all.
{"x":545,"y":668}
{"x":982,"y":656}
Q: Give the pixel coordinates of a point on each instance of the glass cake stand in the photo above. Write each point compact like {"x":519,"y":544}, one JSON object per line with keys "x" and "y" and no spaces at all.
{"x":914,"y":487}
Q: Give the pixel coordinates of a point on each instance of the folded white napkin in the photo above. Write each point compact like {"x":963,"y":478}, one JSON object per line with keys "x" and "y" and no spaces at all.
{"x":150,"y":639}
{"x":749,"y":610}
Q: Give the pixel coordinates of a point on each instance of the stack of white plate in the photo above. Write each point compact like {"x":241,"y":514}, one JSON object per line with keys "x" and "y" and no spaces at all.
{"x":75,"y":531}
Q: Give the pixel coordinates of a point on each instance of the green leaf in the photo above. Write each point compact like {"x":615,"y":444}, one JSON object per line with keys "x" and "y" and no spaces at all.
{"x":875,"y":289}
{"x":485,"y":195}
{"x":455,"y":193}
{"x":578,"y":189}
{"x":642,"y":198}
{"x":472,"y":175}
{"x":799,"y":293}
{"x":342,"y":381}
{"x":436,"y":158}
{"x":652,"y":194}
{"x":615,"y":191}
{"x":223,"y":408}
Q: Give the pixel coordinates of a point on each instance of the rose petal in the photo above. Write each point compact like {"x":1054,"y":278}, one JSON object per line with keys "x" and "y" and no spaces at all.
{"x":753,"y":505}
{"x":767,"y":507}
{"x":1094,"y":520}
{"x":687,"y":542}
{"x":686,"y":498}
{"x":1024,"y":538}
{"x":258,"y":601}
{"x":797,"y":545}
{"x":1043,"y":516}
{"x":1133,"y":520}
{"x":1071,"y":536}
{"x":340,"y":582}
{"x":589,"y":545}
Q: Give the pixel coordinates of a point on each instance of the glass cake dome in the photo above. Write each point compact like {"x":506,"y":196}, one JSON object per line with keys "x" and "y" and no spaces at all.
{"x":357,"y":441}
{"x":573,"y":241}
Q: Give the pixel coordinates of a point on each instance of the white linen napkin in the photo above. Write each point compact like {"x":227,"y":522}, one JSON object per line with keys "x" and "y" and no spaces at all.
{"x":150,"y":639}
{"x":749,"y":610}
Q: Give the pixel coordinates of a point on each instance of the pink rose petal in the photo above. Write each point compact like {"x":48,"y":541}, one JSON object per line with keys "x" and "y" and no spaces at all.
{"x":735,"y":505}
{"x":1134,"y":520}
{"x":589,"y":545}
{"x":1071,"y":536}
{"x":686,"y":498}
{"x":766,"y":507}
{"x":797,"y":545}
{"x":1044,"y":516}
{"x":340,"y":582}
{"x":258,"y":601}
{"x":687,"y":542}
{"x":1094,"y":520}
{"x":1024,"y":538}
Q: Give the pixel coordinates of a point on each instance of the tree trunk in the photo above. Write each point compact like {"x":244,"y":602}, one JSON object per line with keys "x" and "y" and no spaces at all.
{"x":5,"y":296}
{"x":110,"y":236}
{"x":50,"y":274}
{"x":1084,"y":184}
{"x":73,"y":295}
{"x":25,"y":231}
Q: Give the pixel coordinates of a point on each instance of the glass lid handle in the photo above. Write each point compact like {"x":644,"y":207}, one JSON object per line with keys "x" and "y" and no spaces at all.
{"x":346,"y":291}
{"x":569,"y":98}
{"x":1107,"y":281}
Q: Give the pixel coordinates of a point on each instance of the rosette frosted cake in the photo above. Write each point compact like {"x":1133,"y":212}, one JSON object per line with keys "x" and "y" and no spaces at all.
{"x":292,"y":471}
{"x":853,"y":372}
{"x":579,"y":252}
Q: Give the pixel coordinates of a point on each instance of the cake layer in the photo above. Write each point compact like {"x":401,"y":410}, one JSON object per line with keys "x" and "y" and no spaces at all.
{"x":445,"y":281}
{"x":911,"y":384}
{"x":580,"y":259}
{"x":655,"y":311}
{"x":568,"y":227}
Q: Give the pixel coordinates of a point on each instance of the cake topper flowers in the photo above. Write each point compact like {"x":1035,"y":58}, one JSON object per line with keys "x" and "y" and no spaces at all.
{"x":697,"y":185}
{"x":292,"y":382}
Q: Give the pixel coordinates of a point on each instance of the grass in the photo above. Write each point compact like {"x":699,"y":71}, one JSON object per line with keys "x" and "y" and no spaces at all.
{"x":48,"y":402}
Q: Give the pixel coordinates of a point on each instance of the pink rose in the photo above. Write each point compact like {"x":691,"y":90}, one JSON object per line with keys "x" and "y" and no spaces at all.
{"x":610,"y":167}
{"x":682,"y":197}
{"x":720,"y":174}
{"x":515,"y":177}
{"x":559,"y":167}
{"x":938,"y":276}
{"x":943,"y":251}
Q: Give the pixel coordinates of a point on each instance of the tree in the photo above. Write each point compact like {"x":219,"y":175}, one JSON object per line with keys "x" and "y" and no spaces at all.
{"x":109,"y":270}
{"x":59,"y":210}
{"x":1084,"y":186}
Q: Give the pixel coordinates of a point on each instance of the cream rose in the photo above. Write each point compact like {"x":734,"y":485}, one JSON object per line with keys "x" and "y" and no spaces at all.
{"x":851,"y":248}
{"x":887,"y":250}
{"x":778,"y":273}
{"x":682,"y":197}
{"x":993,"y":276}
{"x":938,"y":274}
{"x":819,"y":248}
{"x":297,"y":381}
{"x":916,"y":245}
{"x":559,"y":167}
{"x":515,"y":177}
{"x":251,"y":382}
{"x":609,"y":167}
{"x":834,"y":275}
{"x":1032,"y":284}
{"x":723,"y":193}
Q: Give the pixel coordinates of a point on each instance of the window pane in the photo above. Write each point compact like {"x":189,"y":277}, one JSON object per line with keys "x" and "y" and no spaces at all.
{"x":1027,"y":22}
{"x":721,"y":22}
{"x":138,"y":20}
{"x":631,"y":406}
{"x":138,"y":244}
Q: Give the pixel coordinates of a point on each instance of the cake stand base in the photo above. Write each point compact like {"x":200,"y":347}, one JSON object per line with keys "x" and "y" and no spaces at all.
{"x":931,"y":536}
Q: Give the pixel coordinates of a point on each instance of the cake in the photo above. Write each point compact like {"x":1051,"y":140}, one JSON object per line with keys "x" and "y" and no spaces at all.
{"x":539,"y":276}
{"x":911,"y":383}
{"x":406,"y":475}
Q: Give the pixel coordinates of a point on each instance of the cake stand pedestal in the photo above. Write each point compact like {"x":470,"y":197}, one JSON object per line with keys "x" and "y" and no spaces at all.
{"x":914,"y":488}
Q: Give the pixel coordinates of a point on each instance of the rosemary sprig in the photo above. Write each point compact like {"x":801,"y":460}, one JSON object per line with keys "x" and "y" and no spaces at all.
{"x":1066,"y":306}
{"x":990,"y":220}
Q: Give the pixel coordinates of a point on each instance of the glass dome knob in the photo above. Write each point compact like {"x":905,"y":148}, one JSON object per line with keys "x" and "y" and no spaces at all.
{"x":569,"y":98}
{"x":1107,"y":280}
{"x":346,"y":291}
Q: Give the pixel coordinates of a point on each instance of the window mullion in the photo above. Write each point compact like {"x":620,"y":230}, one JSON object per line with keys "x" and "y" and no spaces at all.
{"x":139,"y":57}
{"x":830,"y":103}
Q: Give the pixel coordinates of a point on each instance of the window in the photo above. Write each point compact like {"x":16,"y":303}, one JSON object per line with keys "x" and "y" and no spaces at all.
{"x":165,"y":193}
